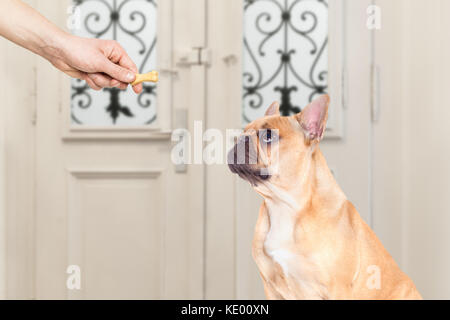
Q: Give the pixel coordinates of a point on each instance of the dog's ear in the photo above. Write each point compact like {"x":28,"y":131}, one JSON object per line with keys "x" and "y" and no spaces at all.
{"x":313,"y":118}
{"x":274,"y":110}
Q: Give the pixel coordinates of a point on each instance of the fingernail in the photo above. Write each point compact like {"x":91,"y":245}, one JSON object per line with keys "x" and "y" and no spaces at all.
{"x":130,"y":77}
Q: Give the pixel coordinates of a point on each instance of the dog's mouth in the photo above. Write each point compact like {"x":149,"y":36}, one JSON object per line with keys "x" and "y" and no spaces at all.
{"x":246,"y":170}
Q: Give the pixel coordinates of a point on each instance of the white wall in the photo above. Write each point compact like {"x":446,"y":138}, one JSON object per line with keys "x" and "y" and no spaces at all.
{"x":2,"y":179}
{"x":17,"y":100}
{"x":412,"y":139}
{"x":427,"y":145}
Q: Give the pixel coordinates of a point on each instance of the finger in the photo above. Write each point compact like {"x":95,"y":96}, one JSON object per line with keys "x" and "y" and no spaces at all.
{"x":123,"y":86}
{"x":75,"y":74}
{"x":91,"y":83}
{"x":120,"y":56}
{"x":117,"y":84}
{"x":102,"y":80}
{"x":138,"y":88}
{"x":124,"y":60}
{"x":117,"y":72}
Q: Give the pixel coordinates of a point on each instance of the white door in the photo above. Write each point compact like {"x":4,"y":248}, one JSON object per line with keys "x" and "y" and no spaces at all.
{"x":232,"y":206}
{"x":108,"y":199}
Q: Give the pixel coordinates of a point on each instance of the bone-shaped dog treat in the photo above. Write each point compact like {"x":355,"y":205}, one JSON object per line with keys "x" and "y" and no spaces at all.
{"x":147,"y":77}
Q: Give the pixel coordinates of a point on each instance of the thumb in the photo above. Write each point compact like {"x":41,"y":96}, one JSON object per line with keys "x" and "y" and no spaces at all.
{"x":117,"y":72}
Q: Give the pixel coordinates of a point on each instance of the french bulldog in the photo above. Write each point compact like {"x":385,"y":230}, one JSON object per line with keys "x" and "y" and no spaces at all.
{"x":310,"y":242}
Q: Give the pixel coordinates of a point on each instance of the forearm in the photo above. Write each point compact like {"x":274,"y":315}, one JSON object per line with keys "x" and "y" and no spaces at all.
{"x":26,"y":27}
{"x":101,"y":63}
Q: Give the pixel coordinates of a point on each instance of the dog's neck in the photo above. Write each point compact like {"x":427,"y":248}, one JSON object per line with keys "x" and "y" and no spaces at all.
{"x":315,"y":187}
{"x":315,"y":194}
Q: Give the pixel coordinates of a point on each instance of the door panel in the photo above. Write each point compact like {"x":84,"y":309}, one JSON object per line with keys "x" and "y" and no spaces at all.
{"x":105,"y":195}
{"x":117,"y":263}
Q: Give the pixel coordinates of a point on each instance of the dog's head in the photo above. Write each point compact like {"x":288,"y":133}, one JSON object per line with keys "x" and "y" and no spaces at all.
{"x":272,"y":149}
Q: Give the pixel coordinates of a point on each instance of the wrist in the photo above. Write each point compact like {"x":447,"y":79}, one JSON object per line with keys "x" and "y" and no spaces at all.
{"x":53,"y":45}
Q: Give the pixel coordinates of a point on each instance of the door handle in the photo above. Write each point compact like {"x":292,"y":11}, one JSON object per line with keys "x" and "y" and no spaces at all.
{"x":230,"y":59}
{"x":172,"y":72}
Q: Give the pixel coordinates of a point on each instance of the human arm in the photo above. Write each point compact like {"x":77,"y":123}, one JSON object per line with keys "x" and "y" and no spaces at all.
{"x":101,"y":63}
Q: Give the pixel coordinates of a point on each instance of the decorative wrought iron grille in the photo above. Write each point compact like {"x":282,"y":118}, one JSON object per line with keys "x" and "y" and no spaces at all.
{"x":285,"y":54}
{"x":133,"y":24}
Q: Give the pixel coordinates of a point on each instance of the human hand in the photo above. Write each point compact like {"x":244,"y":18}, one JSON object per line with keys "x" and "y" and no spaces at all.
{"x":101,"y":63}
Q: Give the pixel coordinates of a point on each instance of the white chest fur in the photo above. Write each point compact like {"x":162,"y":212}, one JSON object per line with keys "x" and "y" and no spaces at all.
{"x":281,"y":247}
{"x":279,"y":242}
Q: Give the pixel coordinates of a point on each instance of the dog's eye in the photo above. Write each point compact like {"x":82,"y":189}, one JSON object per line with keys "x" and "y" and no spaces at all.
{"x":268,"y":136}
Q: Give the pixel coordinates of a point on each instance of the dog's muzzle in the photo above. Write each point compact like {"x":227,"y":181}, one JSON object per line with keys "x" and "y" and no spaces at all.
{"x":243,"y":161}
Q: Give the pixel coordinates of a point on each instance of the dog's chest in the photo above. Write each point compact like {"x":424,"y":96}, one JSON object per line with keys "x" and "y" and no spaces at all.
{"x":281,"y":248}
{"x":279,"y":241}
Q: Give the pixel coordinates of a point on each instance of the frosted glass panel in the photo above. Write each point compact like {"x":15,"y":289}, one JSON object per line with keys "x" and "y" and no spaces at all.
{"x":133,"y":24}
{"x":285,"y":54}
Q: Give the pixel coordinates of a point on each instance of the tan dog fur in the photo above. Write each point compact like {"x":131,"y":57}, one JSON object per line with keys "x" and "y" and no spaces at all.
{"x":310,"y":242}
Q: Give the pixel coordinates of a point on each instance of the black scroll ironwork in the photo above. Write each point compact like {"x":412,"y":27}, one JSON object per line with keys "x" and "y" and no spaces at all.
{"x":114,"y":22}
{"x":285,"y":29}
